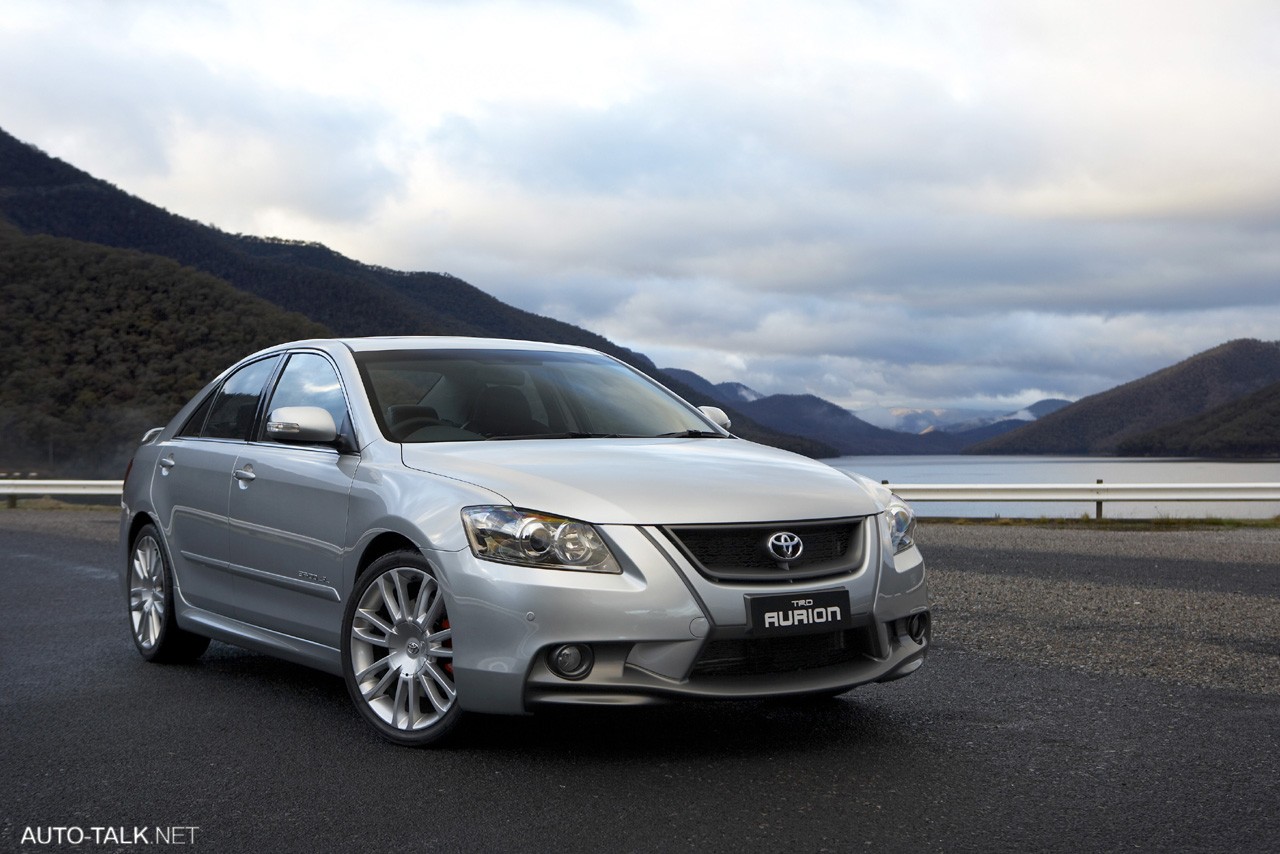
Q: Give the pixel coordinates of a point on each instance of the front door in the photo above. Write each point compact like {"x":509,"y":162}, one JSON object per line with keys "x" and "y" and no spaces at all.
{"x":288,"y":515}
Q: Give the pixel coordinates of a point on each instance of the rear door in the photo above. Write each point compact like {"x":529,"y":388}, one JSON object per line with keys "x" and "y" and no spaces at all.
{"x":192,"y":485}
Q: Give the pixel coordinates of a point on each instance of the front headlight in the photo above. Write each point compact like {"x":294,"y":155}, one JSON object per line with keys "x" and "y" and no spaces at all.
{"x":526,"y":538}
{"x":902,"y":523}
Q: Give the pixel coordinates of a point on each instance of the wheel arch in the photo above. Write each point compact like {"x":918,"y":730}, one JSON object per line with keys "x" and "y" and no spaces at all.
{"x":383,"y":544}
{"x":139,"y":521}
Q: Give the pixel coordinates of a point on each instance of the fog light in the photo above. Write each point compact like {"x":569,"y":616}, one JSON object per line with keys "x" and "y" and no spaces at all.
{"x":918,"y":627}
{"x":571,"y":660}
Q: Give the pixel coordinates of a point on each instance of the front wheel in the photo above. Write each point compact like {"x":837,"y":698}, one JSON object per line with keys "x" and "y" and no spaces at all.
{"x":397,"y":651}
{"x":151,"y":612}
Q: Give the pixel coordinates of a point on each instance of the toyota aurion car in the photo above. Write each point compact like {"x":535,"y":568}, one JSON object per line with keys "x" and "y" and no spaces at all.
{"x":455,"y":524}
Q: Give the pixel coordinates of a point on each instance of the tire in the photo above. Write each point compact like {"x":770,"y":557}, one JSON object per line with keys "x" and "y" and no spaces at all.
{"x":152,"y":618}
{"x":397,"y":651}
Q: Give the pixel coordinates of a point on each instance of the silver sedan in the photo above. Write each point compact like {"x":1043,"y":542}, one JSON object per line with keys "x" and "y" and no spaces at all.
{"x":463,"y":524}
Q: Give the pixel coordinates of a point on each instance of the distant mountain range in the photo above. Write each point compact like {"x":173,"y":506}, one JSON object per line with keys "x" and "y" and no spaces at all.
{"x":1004,"y":422}
{"x":907,"y":419}
{"x":850,"y":434}
{"x":115,"y":311}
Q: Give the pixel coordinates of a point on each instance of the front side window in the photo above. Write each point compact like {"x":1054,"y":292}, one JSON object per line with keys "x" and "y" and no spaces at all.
{"x":236,"y":404}
{"x":309,"y":380}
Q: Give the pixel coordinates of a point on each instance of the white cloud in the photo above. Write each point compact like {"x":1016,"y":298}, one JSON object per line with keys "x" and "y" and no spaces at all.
{"x":928,"y":202}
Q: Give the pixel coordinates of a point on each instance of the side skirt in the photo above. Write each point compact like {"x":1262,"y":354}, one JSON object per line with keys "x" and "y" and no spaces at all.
{"x":296,"y":650}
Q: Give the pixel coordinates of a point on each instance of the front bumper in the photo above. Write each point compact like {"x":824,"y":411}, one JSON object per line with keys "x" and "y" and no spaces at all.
{"x":661,"y":630}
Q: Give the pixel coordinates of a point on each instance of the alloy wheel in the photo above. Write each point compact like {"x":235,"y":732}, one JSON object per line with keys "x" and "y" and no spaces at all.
{"x":146,"y":592}
{"x":401,"y":650}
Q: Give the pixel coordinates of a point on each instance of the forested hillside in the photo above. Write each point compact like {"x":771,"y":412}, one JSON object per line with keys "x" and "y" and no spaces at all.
{"x":1101,"y":423}
{"x":97,"y":345}
{"x":1248,"y":427}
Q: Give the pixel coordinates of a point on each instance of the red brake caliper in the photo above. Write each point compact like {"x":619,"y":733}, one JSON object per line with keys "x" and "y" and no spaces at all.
{"x":447,"y":666}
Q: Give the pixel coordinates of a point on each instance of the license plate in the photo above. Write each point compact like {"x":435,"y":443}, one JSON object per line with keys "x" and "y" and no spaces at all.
{"x":800,"y":613}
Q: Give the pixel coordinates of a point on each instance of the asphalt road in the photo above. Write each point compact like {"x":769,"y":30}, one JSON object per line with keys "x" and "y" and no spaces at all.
{"x":1089,"y":691}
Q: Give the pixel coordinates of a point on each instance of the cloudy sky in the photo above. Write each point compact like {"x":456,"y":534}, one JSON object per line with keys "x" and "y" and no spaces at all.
{"x":945,"y":202}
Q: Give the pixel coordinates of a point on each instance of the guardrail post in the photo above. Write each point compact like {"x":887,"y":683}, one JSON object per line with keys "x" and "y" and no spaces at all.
{"x":1097,"y":507}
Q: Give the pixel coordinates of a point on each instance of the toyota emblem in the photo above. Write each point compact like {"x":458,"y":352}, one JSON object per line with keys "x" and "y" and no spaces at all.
{"x":785,"y":546}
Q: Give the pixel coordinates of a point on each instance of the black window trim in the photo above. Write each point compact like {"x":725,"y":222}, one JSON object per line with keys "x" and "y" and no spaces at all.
{"x":216,"y":390}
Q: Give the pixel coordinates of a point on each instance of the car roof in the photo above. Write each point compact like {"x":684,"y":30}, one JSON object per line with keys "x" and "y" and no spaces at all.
{"x":433,"y":342}
{"x":429,"y":342}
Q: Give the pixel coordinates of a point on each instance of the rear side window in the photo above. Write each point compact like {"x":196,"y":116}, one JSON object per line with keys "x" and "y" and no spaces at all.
{"x":236,"y":403}
{"x":195,"y":424}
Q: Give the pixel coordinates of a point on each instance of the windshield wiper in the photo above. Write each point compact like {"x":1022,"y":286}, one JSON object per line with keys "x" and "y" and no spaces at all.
{"x":559,"y":436}
{"x":691,"y":434}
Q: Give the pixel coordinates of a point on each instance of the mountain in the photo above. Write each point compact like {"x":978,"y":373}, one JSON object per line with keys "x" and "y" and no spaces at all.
{"x":809,"y":416}
{"x":907,"y":419}
{"x":826,"y":422}
{"x":704,"y":391}
{"x":1247,"y":427}
{"x":40,"y":194}
{"x":849,"y":433}
{"x":1003,"y":422}
{"x":729,"y":393}
{"x":736,"y":393}
{"x":99,"y":344}
{"x":1099,"y":424}
{"x":1044,"y":407}
{"x":977,"y":430}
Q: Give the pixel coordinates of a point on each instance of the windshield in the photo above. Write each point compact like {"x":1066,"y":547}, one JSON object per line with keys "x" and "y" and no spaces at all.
{"x":467,"y":395}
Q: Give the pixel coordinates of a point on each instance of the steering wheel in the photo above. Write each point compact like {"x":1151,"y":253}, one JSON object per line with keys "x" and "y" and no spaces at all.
{"x":412,"y":425}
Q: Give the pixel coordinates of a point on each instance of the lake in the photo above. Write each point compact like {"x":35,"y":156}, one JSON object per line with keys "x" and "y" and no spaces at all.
{"x":1002,"y":469}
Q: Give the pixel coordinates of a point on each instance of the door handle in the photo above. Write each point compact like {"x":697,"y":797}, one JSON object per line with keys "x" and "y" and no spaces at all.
{"x":245,"y":474}
{"x":167,"y":462}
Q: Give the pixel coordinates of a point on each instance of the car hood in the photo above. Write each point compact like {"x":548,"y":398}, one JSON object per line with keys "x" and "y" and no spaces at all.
{"x":649,"y":481}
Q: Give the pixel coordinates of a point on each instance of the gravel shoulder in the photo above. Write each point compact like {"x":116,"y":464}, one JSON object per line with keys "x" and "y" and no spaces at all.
{"x":94,"y":524}
{"x":1199,"y":608}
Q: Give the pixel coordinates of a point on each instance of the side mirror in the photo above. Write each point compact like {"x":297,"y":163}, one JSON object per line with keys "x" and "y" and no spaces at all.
{"x":301,"y":424}
{"x":717,"y":416}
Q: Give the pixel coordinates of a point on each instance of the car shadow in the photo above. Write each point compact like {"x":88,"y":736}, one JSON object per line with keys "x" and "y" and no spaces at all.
{"x":686,"y":729}
{"x":678,"y":729}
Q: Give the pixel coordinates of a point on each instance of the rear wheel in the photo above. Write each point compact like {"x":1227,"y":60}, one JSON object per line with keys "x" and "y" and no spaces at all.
{"x":397,"y":647}
{"x":151,"y":613}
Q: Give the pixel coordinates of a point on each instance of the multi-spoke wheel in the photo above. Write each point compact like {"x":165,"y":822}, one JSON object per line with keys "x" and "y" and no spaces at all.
{"x":398,"y":651}
{"x":151,"y":613}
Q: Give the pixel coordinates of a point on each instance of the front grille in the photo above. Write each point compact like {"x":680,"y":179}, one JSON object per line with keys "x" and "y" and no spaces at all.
{"x":741,"y":552}
{"x":763,"y":656}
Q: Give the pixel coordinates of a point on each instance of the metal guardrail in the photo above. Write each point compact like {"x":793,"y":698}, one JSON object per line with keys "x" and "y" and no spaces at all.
{"x":1098,"y":493}
{"x":1088,"y":491}
{"x":61,"y":487}
{"x":13,"y":489}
